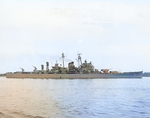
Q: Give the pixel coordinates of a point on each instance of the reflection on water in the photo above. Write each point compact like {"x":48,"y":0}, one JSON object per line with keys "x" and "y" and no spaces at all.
{"x":74,"y":98}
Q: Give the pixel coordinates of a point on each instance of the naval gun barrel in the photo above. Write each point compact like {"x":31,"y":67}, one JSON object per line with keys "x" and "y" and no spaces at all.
{"x":22,"y":69}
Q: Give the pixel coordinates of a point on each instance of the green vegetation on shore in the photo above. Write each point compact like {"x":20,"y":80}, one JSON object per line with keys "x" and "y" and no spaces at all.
{"x":3,"y":74}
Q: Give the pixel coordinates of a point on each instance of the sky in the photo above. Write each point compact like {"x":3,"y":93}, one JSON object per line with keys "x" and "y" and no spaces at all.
{"x":112,"y":34}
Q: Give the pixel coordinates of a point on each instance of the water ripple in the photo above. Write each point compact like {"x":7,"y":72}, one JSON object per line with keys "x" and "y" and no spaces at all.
{"x":74,"y":98}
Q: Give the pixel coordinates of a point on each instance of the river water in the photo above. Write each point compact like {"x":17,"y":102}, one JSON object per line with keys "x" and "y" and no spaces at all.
{"x":74,"y":98}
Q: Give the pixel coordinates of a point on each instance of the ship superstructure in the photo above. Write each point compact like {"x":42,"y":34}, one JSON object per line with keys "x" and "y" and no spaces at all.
{"x":83,"y":68}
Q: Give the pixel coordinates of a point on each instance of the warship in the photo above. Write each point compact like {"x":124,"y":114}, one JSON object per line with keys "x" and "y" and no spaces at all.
{"x":84,"y":70}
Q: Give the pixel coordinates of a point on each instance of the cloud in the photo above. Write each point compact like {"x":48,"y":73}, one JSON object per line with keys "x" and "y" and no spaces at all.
{"x":62,"y":13}
{"x":103,"y":29}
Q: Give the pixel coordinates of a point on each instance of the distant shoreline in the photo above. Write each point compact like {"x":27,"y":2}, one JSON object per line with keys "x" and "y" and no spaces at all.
{"x":2,"y":75}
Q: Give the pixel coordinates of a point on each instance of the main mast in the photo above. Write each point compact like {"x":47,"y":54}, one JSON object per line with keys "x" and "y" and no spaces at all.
{"x":63,"y":56}
{"x":79,"y":60}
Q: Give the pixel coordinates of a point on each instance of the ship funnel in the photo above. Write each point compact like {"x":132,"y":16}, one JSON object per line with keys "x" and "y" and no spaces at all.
{"x":42,"y":68}
{"x":47,"y":66}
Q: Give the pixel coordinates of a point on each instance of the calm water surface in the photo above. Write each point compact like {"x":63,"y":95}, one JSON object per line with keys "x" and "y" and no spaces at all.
{"x":74,"y":98}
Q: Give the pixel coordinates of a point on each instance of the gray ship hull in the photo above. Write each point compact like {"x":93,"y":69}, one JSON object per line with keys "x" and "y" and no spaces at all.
{"x":76,"y":76}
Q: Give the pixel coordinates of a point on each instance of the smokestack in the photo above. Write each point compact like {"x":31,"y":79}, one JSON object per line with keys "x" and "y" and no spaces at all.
{"x":47,"y":66}
{"x":42,"y":68}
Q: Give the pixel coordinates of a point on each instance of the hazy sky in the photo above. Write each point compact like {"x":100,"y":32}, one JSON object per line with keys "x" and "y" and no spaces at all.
{"x":113,"y":34}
